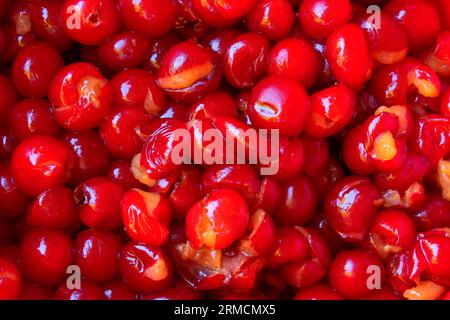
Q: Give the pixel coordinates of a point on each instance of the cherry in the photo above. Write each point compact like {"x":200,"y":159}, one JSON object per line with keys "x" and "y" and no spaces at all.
{"x":146,"y":216}
{"x":98,"y":202}
{"x":317,"y":155}
{"x":32,"y":117}
{"x":219,"y":41}
{"x":90,"y":22}
{"x":80,"y":96}
{"x":279,"y":103}
{"x":261,"y":235}
{"x":419,"y":19}
{"x":153,"y":18}
{"x":12,"y":200}
{"x":31,"y":73}
{"x":350,"y":271}
{"x":217,"y":220}
{"x":222,"y":13}
{"x":124,"y":50}
{"x":331,"y":110}
{"x":282,"y":61}
{"x":318,"y":292}
{"x":145,"y":269}
{"x":347,"y":53}
{"x":180,"y":290}
{"x":87,"y":291}
{"x":118,"y":290}
{"x":15,"y":39}
{"x":10,"y":280}
{"x":244,"y":62}
{"x":54,"y":208}
{"x":216,"y":104}
{"x":435,"y":212}
{"x":41,"y":162}
{"x":7,"y":144}
{"x":188,"y":71}
{"x":137,"y":88}
{"x":157,"y":50}
{"x":120,"y":172}
{"x":350,"y":206}
{"x":97,"y":254}
{"x":319,"y":18}
{"x":35,"y":292}
{"x":90,"y":155}
{"x":45,"y":256}
{"x":8,"y":96}
{"x":271,"y":18}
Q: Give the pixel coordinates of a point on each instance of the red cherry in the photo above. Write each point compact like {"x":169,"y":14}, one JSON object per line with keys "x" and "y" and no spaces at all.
{"x":10,"y":280}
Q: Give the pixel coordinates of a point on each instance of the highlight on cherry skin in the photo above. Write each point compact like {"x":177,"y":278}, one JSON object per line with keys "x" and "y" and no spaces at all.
{"x":135,"y":138}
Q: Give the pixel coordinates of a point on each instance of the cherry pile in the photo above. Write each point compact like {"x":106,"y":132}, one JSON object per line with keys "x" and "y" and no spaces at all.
{"x":92,"y":91}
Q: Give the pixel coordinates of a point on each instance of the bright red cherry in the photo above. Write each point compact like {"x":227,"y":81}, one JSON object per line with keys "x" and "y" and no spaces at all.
{"x":13,"y":201}
{"x":282,"y":61}
{"x":319,"y":18}
{"x":217,"y":220}
{"x":153,"y":18}
{"x":218,"y":41}
{"x":10,"y":280}
{"x":45,"y":256}
{"x":244,"y":62}
{"x":222,"y":13}
{"x":350,"y":271}
{"x":91,"y":157}
{"x":31,"y":72}
{"x":80,"y":96}
{"x":118,"y":290}
{"x":279,"y":103}
{"x":146,"y":216}
{"x":7,"y":144}
{"x":40,"y":163}
{"x":32,"y":117}
{"x":347,"y":53}
{"x":90,"y":22}
{"x":271,"y":18}
{"x":54,"y":209}
{"x":157,"y":51}
{"x":98,"y":202}
{"x":87,"y":291}
{"x":188,"y":71}
{"x":120,"y":172}
{"x":97,"y":254}
{"x":124,"y":50}
{"x":351,"y":205}
{"x":144,"y":268}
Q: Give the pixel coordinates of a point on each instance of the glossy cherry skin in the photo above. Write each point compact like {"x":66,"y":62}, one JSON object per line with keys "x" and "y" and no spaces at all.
{"x":146,"y":216}
{"x":80,"y":96}
{"x":88,"y":291}
{"x":40,"y":163}
{"x":435,"y":212}
{"x":90,"y":155}
{"x":124,"y":50}
{"x":217,"y":220}
{"x":152,"y":18}
{"x":188,"y":71}
{"x":297,"y":201}
{"x":10,"y":280}
{"x":244,"y":62}
{"x":318,"y":292}
{"x":90,"y":22}
{"x":157,"y":50}
{"x":32,"y":117}
{"x":154,"y":156}
{"x":350,"y":206}
{"x":98,"y":202}
{"x":279,"y":103}
{"x":349,"y":273}
{"x":347,"y":53}
{"x":122,"y":131}
{"x":241,"y":178}
{"x":118,"y":290}
{"x":7,"y":144}
{"x":45,"y":255}
{"x":331,"y":110}
{"x":144,"y":268}
{"x":137,"y":88}
{"x":48,"y":24}
{"x":320,"y":18}
{"x":278,"y":13}
{"x":216,"y":104}
{"x":12,"y":200}
{"x":392,"y":231}
{"x":54,"y":208}
{"x":218,"y":41}
{"x":419,"y":19}
{"x":14,"y":41}
{"x":222,"y":14}
{"x":282,"y":61}
{"x":120,"y":172}
{"x":97,"y":254}
{"x":8,"y":96}
{"x":261,"y":235}
{"x":31,"y":72}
